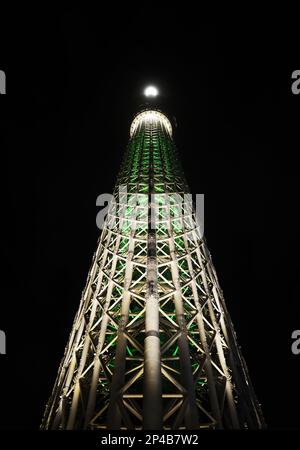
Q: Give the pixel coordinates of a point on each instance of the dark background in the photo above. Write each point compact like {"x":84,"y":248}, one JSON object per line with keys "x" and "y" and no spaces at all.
{"x":74,"y":80}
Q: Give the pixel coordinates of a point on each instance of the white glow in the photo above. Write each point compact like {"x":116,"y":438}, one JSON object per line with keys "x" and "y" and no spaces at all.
{"x":151,"y":91}
{"x":151,"y":116}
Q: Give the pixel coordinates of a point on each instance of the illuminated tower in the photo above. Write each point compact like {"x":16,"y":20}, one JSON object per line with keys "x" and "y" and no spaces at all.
{"x":152,"y":345}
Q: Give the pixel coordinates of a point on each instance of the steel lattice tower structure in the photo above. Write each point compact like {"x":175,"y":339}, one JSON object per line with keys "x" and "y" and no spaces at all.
{"x":152,"y":345}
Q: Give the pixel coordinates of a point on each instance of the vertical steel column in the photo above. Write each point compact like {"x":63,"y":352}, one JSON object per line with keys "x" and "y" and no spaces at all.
{"x":191,"y":414}
{"x":221,"y":356}
{"x":212,"y":392}
{"x":152,"y":405}
{"x":115,"y":403}
{"x":101,"y":338}
{"x":66,"y":372}
{"x":87,"y":342}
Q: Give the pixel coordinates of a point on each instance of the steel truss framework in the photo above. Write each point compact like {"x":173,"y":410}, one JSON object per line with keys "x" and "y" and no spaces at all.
{"x":152,"y":345}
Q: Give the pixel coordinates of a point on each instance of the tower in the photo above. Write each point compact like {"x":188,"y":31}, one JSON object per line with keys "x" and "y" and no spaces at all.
{"x":152,"y":345}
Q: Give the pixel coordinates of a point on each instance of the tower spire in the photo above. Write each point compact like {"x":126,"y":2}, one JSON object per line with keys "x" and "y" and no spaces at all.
{"x":152,"y":344}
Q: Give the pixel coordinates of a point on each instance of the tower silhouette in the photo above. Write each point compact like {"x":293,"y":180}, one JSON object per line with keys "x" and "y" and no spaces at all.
{"x":152,"y":344}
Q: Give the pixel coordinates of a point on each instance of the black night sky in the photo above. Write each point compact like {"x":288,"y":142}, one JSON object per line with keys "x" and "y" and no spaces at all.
{"x":74,"y":81}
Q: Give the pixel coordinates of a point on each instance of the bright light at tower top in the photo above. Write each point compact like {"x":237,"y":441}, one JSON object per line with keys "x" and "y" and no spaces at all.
{"x":151,"y":91}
